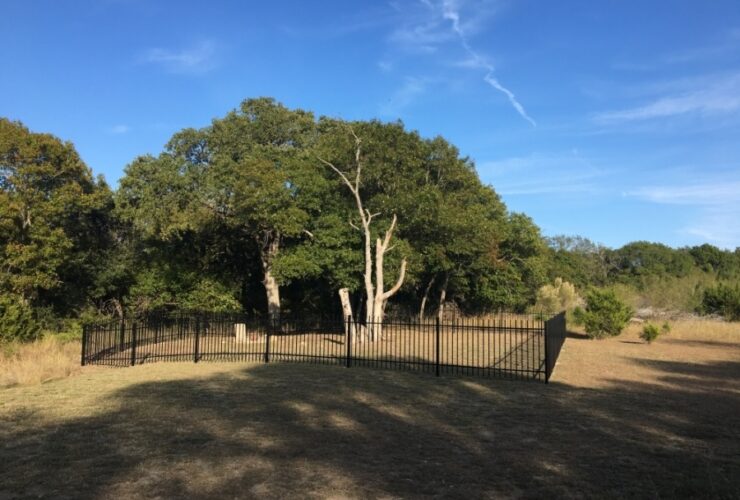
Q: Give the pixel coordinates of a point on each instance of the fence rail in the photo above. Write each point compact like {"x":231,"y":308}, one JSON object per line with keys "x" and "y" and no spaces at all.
{"x":505,"y":345}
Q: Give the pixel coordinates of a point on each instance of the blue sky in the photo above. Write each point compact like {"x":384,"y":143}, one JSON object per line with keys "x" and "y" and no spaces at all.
{"x":615,"y":120}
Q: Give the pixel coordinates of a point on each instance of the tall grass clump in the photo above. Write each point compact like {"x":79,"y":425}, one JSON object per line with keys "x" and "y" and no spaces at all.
{"x":560,"y":296}
{"x":35,"y":362}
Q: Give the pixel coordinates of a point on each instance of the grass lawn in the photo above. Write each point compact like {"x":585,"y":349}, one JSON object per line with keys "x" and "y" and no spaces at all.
{"x":619,"y":419}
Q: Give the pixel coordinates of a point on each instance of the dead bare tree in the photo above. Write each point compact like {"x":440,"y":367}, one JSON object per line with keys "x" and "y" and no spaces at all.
{"x":376,"y":296}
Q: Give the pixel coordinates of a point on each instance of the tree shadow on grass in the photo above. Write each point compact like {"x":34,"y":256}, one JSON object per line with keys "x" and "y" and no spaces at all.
{"x":294,"y":430}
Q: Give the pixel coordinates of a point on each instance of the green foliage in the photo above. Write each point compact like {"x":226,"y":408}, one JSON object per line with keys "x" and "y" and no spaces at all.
{"x":605,"y":315}
{"x":722,"y":299}
{"x":202,"y":224}
{"x":578,"y":260}
{"x":644,"y":274}
{"x":212,"y":296}
{"x":54,"y":221}
{"x":17,"y":321}
{"x":650,"y":332}
{"x":642,"y":258}
{"x":665,"y":329}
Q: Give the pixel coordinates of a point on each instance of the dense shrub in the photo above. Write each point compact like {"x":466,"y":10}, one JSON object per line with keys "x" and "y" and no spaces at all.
{"x":650,"y":332}
{"x":209,"y":295}
{"x":560,"y":296}
{"x":605,"y":315}
{"x":17,"y":321}
{"x":722,"y":299}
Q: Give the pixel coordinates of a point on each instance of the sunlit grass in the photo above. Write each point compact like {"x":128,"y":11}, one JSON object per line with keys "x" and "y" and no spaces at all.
{"x":40,"y":361}
{"x":707,"y":330}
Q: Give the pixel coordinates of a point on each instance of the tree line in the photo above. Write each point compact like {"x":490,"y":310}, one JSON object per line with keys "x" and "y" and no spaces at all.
{"x":271,"y":210}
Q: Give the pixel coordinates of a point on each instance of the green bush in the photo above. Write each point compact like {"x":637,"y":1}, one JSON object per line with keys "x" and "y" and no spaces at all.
{"x":605,"y":315}
{"x":650,"y":332}
{"x":722,"y":299}
{"x":209,"y":295}
{"x":17,"y":321}
{"x":665,"y":329}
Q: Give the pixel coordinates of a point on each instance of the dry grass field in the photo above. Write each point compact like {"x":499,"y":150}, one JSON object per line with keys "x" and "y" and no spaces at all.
{"x":619,"y":419}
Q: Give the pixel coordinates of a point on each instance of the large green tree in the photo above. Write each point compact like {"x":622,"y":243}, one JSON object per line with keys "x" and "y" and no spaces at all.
{"x":245,"y":175}
{"x":54,"y":221}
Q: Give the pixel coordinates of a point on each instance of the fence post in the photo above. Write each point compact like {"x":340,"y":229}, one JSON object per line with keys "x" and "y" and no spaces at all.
{"x":157,"y":322}
{"x":84,"y":344}
{"x":267,"y":340}
{"x":349,"y":329}
{"x":133,"y":343}
{"x":436,"y":356}
{"x":547,"y":354}
{"x":122,"y":335}
{"x":196,"y":351}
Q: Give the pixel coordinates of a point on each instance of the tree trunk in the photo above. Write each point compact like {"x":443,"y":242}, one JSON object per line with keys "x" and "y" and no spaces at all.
{"x":424,"y":299}
{"x":273,"y":294}
{"x":442,"y":297}
{"x":268,"y":253}
{"x":369,"y":288}
{"x":347,"y":318}
{"x":381,"y":297}
{"x":375,"y":297}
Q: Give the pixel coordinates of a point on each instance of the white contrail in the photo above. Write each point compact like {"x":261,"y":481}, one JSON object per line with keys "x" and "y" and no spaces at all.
{"x":450,"y":13}
{"x":491,"y":80}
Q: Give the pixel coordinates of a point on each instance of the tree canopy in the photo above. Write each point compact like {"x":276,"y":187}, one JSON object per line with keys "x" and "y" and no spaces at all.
{"x":258,"y":212}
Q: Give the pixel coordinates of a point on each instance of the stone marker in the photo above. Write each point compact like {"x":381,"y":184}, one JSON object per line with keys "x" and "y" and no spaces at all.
{"x":240,"y":329}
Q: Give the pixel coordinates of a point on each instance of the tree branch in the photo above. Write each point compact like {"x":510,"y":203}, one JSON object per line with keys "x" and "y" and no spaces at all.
{"x":389,"y":233}
{"x":398,"y":284}
{"x":339,"y":172}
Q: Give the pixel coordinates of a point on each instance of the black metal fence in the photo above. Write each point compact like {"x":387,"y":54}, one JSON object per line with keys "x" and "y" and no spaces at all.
{"x":503,"y":345}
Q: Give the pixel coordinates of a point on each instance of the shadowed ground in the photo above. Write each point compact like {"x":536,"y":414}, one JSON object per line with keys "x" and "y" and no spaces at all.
{"x":618,"y":420}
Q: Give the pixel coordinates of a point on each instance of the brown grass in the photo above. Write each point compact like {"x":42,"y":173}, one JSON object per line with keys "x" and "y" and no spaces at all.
{"x":702,"y":330}
{"x":40,"y":361}
{"x":620,"y":419}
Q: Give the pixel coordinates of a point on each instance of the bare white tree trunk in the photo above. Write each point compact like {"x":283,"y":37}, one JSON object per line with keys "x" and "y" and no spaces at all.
{"x":381,"y":297}
{"x":348,"y":318}
{"x":374,"y":295}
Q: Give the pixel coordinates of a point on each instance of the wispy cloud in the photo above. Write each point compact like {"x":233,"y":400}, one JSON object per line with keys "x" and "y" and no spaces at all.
{"x":724,"y":45}
{"x":199,"y":58}
{"x":717,"y":205}
{"x":717,"y":226}
{"x":722,"y":192}
{"x":451,"y":12}
{"x":118,"y":129}
{"x":385,"y":66}
{"x":405,"y":95}
{"x":440,"y":22}
{"x":718,"y":96}
{"x":559,"y":174}
{"x":424,"y":37}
